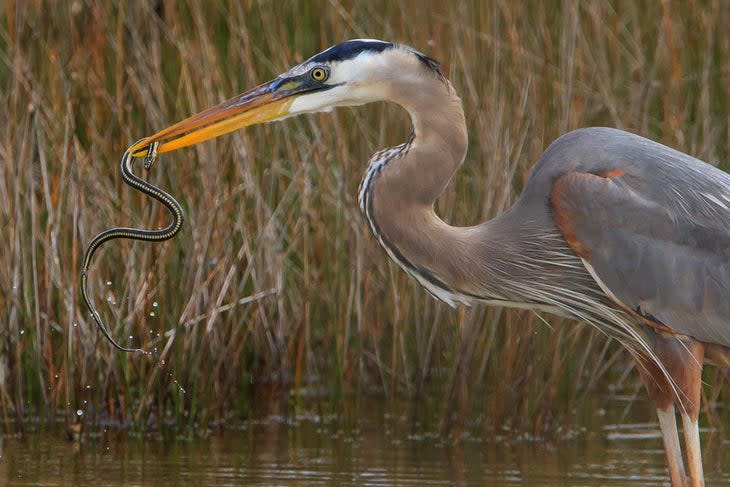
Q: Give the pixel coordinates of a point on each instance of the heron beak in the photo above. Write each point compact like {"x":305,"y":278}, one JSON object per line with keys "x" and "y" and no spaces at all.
{"x":267,"y":102}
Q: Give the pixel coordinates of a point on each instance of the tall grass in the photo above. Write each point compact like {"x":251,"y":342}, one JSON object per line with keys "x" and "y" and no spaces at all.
{"x":275,"y":283}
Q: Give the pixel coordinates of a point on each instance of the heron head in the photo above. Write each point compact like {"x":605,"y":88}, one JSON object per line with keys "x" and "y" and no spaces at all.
{"x":352,"y":73}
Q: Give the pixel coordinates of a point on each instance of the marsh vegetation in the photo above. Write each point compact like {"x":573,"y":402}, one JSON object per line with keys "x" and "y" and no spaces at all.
{"x":275,"y":285}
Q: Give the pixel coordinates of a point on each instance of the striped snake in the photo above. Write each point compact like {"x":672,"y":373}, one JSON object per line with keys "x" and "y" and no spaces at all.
{"x":133,"y":233}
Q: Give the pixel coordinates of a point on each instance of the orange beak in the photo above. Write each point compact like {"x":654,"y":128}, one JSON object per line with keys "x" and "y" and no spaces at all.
{"x":264,"y":103}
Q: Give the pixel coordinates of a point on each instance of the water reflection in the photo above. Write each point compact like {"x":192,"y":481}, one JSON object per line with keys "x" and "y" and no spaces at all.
{"x":376,"y":449}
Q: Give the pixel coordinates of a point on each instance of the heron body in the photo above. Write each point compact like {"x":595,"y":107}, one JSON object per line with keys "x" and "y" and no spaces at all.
{"x":612,"y":229}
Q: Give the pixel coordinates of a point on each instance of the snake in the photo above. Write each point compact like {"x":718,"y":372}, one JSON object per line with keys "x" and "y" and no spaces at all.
{"x":166,"y":233}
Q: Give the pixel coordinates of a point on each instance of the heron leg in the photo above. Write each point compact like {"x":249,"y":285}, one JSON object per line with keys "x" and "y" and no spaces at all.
{"x":681,"y":358}
{"x":690,"y":409}
{"x":694,"y":452}
{"x":668,"y":425}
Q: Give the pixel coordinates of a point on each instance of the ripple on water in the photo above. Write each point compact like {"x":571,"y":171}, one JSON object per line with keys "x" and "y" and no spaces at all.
{"x":309,"y":450}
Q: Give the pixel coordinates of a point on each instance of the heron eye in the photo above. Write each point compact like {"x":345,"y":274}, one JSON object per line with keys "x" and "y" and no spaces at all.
{"x":319,"y":74}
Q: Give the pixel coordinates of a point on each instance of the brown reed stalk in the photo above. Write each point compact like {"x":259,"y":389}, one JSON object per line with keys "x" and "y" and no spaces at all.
{"x":275,"y":281}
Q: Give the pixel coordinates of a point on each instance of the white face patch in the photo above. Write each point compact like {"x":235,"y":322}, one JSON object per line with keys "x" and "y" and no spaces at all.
{"x":365,"y":78}
{"x":318,"y":101}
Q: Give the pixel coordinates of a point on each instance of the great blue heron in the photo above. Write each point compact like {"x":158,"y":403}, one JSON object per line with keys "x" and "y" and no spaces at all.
{"x":612,"y":229}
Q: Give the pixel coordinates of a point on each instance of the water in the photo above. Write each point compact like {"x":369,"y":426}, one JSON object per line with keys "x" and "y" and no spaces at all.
{"x":376,"y":449}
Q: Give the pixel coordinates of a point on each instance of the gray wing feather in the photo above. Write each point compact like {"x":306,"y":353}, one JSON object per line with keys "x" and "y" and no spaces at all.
{"x":655,"y":233}
{"x":663,"y":253}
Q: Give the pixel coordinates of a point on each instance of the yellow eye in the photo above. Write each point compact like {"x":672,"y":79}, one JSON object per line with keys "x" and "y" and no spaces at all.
{"x":318,"y":74}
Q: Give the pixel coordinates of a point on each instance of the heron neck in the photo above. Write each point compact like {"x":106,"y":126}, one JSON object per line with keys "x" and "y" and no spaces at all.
{"x":402,"y":191}
{"x":439,"y":144}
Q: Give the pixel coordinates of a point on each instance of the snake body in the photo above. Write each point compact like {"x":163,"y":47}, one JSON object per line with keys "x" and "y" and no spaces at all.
{"x":165,"y":233}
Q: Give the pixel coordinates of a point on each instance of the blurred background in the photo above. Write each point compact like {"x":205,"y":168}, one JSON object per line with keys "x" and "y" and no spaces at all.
{"x":275,"y":298}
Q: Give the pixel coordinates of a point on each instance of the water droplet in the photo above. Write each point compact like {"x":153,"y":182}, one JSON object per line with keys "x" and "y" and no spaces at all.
{"x":88,"y":387}
{"x":108,"y":283}
{"x":155,"y":304}
{"x":182,"y":389}
{"x":131,"y":337}
{"x":152,"y":314}
{"x":55,"y":376}
{"x":79,"y":413}
{"x":75,"y":325}
{"x":22,"y":332}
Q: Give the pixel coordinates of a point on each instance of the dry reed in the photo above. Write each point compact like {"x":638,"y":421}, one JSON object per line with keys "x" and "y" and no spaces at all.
{"x":275,"y":280}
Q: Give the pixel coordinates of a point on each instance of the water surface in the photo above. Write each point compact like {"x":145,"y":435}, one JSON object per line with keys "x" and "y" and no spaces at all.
{"x":376,"y":449}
